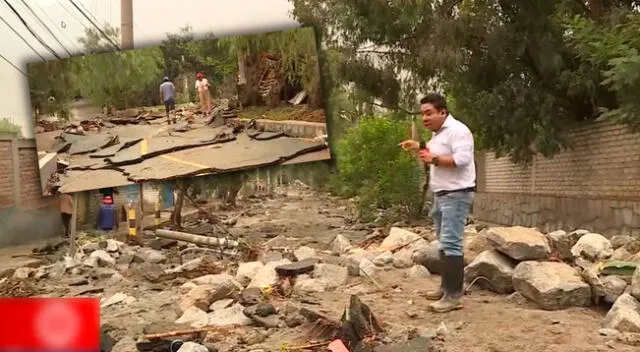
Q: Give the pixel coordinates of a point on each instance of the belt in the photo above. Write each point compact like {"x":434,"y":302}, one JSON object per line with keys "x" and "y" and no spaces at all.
{"x":463,"y":190}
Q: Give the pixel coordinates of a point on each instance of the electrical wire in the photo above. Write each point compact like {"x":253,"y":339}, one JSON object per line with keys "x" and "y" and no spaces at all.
{"x":13,"y":65}
{"x":33,"y":13}
{"x":34,"y":34}
{"x":72,"y":14}
{"x":53,"y":23}
{"x":95,"y":25}
{"x":23,"y":39}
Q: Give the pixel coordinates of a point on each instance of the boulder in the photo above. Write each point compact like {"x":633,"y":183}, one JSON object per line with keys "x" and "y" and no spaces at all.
{"x":624,"y":315}
{"x":267,"y":276}
{"x":103,"y":258}
{"x":366,"y":267}
{"x":303,"y":253}
{"x":383,"y":259}
{"x":402,"y":259}
{"x":592,"y":246}
{"x":247,"y":271}
{"x":635,"y":284}
{"x":551,"y":285}
{"x":222,"y":285}
{"x":614,"y":287}
{"x":519,"y":243}
{"x":400,"y":237}
{"x":560,"y":242}
{"x":333,"y":275}
{"x":620,"y":241}
{"x":340,"y":245}
{"x":496,"y":267}
{"x":474,"y":243}
{"x":429,"y":257}
{"x":419,"y":272}
{"x":191,"y":346}
{"x":195,"y":317}
{"x":233,"y":315}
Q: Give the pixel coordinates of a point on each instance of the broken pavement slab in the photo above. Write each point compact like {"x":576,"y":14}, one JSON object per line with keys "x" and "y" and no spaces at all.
{"x":89,"y":143}
{"x":240,"y":154}
{"x":77,"y":181}
{"x":123,"y":143}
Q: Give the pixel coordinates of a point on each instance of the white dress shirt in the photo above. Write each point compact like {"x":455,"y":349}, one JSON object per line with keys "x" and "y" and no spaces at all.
{"x":453,"y":139}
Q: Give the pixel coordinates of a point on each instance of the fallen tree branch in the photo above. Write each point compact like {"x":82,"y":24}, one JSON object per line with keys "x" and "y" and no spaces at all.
{"x":197,"y":239}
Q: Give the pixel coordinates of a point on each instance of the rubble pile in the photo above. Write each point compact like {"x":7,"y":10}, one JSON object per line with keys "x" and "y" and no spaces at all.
{"x":274,"y":301}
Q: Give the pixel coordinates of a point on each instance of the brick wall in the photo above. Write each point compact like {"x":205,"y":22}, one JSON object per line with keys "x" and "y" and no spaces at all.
{"x":6,"y":174}
{"x":25,"y":215}
{"x":594,"y":185}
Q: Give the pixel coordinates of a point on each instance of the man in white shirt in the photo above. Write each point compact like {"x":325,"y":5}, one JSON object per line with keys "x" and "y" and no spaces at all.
{"x":168,"y":97}
{"x":202,"y":86}
{"x":450,"y":154}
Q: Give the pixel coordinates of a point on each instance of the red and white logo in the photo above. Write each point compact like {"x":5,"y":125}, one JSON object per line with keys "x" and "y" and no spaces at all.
{"x":57,"y":324}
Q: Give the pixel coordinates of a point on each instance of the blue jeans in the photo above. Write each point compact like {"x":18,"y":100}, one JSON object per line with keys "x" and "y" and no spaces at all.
{"x":449,"y":213}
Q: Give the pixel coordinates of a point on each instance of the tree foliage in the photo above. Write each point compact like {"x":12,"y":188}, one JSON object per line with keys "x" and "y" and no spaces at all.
{"x":373,"y":168}
{"x":521,"y":72}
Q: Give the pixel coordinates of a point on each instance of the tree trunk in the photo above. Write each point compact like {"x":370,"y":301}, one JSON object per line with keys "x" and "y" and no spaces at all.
{"x":248,"y":93}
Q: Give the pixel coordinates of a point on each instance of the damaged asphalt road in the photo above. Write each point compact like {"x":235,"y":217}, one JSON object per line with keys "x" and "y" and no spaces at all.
{"x":147,"y":149}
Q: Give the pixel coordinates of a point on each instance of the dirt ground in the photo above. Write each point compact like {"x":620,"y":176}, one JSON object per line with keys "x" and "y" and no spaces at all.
{"x":488,"y":322}
{"x":295,"y":113}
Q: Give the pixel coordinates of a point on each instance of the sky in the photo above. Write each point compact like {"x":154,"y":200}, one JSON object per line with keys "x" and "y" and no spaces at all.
{"x":152,"y":20}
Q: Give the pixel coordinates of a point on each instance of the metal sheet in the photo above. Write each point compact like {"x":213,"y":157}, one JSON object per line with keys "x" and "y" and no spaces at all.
{"x":243,"y":153}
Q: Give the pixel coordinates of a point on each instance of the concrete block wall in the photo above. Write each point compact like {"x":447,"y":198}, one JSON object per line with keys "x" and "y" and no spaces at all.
{"x":301,"y":129}
{"x":595,"y":185}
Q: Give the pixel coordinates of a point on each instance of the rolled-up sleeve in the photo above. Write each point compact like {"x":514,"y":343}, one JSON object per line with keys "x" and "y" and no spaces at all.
{"x":462,"y":146}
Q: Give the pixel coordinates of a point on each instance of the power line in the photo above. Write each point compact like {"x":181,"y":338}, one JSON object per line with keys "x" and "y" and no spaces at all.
{"x":95,"y":25}
{"x":45,"y":27}
{"x":13,"y":65}
{"x":53,"y":23}
{"x":72,"y":14}
{"x":34,"y":34}
{"x":23,"y":39}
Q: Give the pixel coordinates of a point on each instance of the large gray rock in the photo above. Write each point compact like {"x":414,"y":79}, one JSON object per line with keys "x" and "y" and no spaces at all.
{"x":519,"y":243}
{"x":340,"y":245}
{"x":267,"y":276}
{"x":614,"y":287}
{"x":383,"y":259}
{"x":620,"y":241}
{"x":592,"y":246}
{"x":150,"y":255}
{"x":635,"y":284}
{"x":429,"y":257}
{"x":190,"y":346}
{"x":551,"y":285}
{"x":400,"y":237}
{"x":247,"y":271}
{"x":402,"y":259}
{"x":561,"y":243}
{"x":332,"y":275}
{"x":474,"y":243}
{"x":624,"y":315}
{"x":496,"y":267}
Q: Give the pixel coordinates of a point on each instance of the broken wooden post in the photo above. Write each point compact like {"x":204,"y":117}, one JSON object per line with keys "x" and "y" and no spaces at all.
{"x":197,"y":239}
{"x":72,"y":227}
{"x":358,"y":323}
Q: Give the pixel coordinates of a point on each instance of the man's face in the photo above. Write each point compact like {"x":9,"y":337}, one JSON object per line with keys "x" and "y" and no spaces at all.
{"x":432,"y":118}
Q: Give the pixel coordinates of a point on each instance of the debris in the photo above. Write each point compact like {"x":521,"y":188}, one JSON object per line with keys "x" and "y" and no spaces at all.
{"x":358,"y":323}
{"x":593,"y":246}
{"x":399,"y":238}
{"x":117,"y":298}
{"x":305,"y":284}
{"x":614,"y":287}
{"x":267,"y":275}
{"x":418,"y":344}
{"x":551,"y":285}
{"x":333,"y":276}
{"x":150,"y":255}
{"x":200,"y":240}
{"x":383,"y":259}
{"x":366,"y":268}
{"x":402,"y":259}
{"x":340,"y":245}
{"x":495,"y":267}
{"x":419,"y":272}
{"x":519,"y":243}
{"x":303,"y":253}
{"x":624,"y":315}
{"x":101,"y":257}
{"x":296,"y":268}
{"x":560,"y":243}
{"x":233,"y":315}
{"x":190,"y":346}
{"x":195,"y":317}
{"x":247,"y":271}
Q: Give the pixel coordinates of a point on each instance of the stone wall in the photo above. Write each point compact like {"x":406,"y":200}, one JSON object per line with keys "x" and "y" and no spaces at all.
{"x":25,"y":215}
{"x":595,"y":185}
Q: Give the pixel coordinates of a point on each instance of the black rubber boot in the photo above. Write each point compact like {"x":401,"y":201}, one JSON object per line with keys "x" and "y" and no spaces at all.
{"x":454,"y":286}
{"x":437,"y":294}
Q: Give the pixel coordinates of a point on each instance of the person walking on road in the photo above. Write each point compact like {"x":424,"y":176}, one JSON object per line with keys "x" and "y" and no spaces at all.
{"x":202,"y":86}
{"x":450,"y":155}
{"x":168,"y":97}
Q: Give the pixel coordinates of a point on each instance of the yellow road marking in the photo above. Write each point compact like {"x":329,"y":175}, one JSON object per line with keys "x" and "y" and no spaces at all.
{"x":144,"y":147}
{"x":167,"y":157}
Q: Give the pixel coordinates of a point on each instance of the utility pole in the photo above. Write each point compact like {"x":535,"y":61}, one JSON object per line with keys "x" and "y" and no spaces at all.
{"x":126,"y":24}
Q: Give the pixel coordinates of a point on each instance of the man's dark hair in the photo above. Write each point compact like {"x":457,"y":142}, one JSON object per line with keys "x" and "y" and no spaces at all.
{"x":438,"y":101}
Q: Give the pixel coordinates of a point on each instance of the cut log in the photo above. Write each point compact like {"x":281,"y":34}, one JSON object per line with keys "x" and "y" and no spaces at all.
{"x":200,"y":240}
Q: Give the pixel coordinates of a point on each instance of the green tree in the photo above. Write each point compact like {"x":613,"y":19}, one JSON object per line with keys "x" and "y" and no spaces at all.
{"x":521,"y":72}
{"x":51,"y":87}
{"x":373,"y":168}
